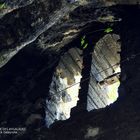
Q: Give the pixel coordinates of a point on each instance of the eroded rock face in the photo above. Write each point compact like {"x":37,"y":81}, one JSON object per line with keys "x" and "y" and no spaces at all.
{"x":31,"y":19}
{"x":52,"y":23}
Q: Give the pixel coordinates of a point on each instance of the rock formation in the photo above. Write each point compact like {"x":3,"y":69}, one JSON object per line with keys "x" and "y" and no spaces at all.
{"x":35,"y":35}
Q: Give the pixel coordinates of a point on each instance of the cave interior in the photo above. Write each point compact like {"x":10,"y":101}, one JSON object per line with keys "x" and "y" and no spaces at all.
{"x":69,"y":70}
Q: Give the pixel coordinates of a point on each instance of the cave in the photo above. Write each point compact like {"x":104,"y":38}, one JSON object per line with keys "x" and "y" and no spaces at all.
{"x":69,"y":70}
{"x":100,"y":75}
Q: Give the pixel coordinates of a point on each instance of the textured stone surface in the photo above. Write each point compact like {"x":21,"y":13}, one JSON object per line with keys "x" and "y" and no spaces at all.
{"x":63,"y":98}
{"x":43,"y":31}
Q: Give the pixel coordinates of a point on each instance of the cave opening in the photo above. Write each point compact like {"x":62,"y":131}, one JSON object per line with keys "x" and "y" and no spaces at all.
{"x":85,"y":79}
{"x":106,"y":68}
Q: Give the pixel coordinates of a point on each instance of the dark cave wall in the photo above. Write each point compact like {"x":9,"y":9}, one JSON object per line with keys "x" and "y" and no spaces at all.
{"x":24,"y":88}
{"x":22,"y":22}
